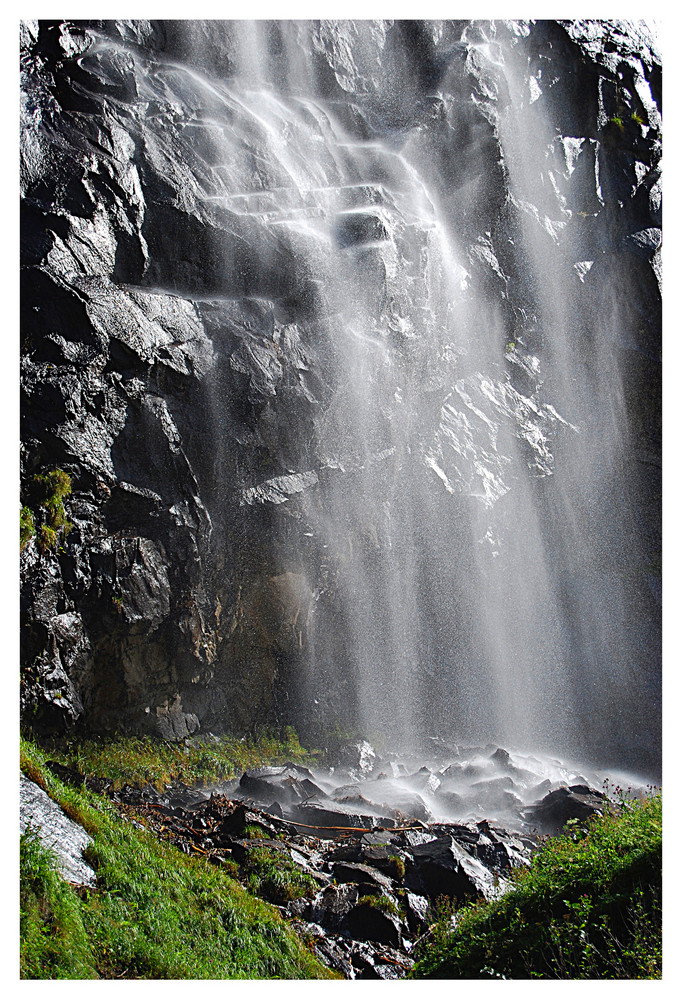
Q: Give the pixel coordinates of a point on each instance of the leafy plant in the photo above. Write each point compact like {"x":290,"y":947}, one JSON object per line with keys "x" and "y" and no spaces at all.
{"x":47,"y":538}
{"x":47,"y":494}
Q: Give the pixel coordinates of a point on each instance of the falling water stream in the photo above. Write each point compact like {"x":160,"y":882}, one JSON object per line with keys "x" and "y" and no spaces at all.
{"x":461,"y":483}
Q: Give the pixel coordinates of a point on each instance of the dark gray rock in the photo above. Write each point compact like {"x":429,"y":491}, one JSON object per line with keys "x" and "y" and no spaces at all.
{"x":361,"y":874}
{"x":318,"y":819}
{"x":332,"y":904}
{"x":550,"y":814}
{"x":442,"y":867}
{"x":370,"y":923}
{"x":417,"y":912}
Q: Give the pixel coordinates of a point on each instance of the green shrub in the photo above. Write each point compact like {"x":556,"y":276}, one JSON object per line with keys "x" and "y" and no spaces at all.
{"x":48,"y":538}
{"x":54,"y":485}
{"x":588,"y":907}
{"x":47,"y":493}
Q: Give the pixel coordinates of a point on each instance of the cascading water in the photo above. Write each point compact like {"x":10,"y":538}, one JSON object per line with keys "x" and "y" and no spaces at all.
{"x":461,"y":592}
{"x":404,"y":241}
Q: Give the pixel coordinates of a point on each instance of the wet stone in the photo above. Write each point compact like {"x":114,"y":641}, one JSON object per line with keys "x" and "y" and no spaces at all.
{"x":369,"y":923}
{"x":551,"y":813}
{"x":444,"y":868}
{"x":65,"y":838}
{"x":331,"y":905}
{"x":345,"y":872}
{"x":417,"y":910}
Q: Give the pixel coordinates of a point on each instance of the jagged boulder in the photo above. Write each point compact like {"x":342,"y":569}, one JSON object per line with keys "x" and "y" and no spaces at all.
{"x":551,"y":813}
{"x":443,"y":867}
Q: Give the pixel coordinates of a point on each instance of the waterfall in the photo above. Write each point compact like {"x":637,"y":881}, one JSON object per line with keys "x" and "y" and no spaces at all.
{"x":402,"y":240}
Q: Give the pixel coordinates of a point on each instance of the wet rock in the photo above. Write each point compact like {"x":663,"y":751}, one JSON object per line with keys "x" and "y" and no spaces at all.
{"x":363,"y":958}
{"x":362,"y":874}
{"x":332,"y":904}
{"x":334,"y":954}
{"x":385,"y":971}
{"x":367,"y":922}
{"x":500,"y":857}
{"x":449,"y":803}
{"x":417,"y":911}
{"x":321,"y":820}
{"x":423,"y":781}
{"x":237,"y":817}
{"x":389,"y":798}
{"x":551,"y":813}
{"x":172,"y":722}
{"x":357,"y":758}
{"x":286,"y":784}
{"x":442,"y":867}
{"x":414,"y":837}
{"x":501,"y":757}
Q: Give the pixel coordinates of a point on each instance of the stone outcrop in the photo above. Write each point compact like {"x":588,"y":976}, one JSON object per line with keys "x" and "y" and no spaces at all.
{"x":65,"y":839}
{"x":181,"y":348}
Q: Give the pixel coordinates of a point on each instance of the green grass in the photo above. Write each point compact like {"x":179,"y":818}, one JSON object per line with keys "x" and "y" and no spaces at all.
{"x":382,"y":903}
{"x":54,"y":942}
{"x":588,"y":908}
{"x":271,"y":875}
{"x":155,"y":913}
{"x":141,"y":760}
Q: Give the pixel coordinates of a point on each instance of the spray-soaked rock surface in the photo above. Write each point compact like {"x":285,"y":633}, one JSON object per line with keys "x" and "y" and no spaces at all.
{"x":348,"y":336}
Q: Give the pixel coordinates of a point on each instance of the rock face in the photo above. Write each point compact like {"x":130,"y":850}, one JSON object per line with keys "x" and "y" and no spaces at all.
{"x":218,"y":219}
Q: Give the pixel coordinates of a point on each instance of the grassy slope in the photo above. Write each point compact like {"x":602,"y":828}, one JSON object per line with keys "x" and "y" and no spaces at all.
{"x":156,"y":913}
{"x":588,"y":908}
{"x":141,"y":760}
